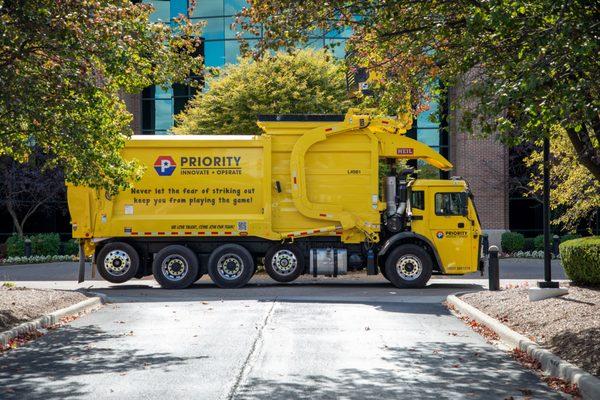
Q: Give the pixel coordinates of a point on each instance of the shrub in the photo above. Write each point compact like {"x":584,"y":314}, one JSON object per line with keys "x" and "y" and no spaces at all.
{"x":581,"y":260}
{"x":528,"y":244}
{"x":569,"y":236}
{"x":538,"y":242}
{"x":45,"y":244}
{"x":512,"y":242}
{"x":71,"y":247}
{"x":15,"y":246}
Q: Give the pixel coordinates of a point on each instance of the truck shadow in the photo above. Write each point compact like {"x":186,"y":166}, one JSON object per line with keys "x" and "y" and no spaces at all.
{"x":340,"y":292}
{"x":52,"y":366}
{"x":424,"y":370}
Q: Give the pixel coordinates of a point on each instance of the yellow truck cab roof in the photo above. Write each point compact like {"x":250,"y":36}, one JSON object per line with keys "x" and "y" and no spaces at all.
{"x":439,"y":183}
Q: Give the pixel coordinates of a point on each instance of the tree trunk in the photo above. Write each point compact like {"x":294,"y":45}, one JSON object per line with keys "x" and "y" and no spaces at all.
{"x":588,"y":155}
{"x":15,"y":218}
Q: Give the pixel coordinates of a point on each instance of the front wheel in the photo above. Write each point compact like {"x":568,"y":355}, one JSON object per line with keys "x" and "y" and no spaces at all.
{"x":408,"y":266}
{"x":284,"y":262}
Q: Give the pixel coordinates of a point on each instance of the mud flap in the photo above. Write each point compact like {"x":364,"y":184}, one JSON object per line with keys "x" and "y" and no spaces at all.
{"x":81,"y":263}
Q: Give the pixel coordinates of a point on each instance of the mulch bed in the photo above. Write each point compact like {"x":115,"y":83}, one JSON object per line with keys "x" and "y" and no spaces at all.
{"x":18,"y":305}
{"x":568,"y":326}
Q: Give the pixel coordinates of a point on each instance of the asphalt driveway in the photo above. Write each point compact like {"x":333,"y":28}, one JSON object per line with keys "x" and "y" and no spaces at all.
{"x":510,"y":268}
{"x":350,"y":339}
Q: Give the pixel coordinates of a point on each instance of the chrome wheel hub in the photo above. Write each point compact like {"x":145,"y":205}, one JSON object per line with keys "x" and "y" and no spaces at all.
{"x":409,"y":267}
{"x":117,"y":262}
{"x":284,"y":262}
{"x":230,"y":266}
{"x":174,"y":267}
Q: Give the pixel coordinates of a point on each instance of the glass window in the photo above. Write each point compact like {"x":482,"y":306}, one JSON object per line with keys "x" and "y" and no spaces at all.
{"x":147,"y":115}
{"x":214,"y":29}
{"x":232,"y":51}
{"x":424,"y":120}
{"x":179,"y":104}
{"x":339,"y":33}
{"x":208,"y":8}
{"x":163,"y":93}
{"x":232,"y":7}
{"x":417,"y":199}
{"x":163,"y":119}
{"x":429,"y":136}
{"x":162,"y":12}
{"x":214,"y":53}
{"x":454,"y":203}
{"x":231,"y":32}
{"x":314,"y":43}
{"x":339,"y":47}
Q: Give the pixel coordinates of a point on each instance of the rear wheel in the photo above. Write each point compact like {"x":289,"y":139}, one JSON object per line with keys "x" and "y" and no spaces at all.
{"x":175,"y":267}
{"x":117,"y":262}
{"x":284,"y":262}
{"x":408,"y":266}
{"x":230,"y":266}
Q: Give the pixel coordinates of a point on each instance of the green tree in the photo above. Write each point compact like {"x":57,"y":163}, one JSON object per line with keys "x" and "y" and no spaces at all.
{"x":531,"y":64}
{"x":575,"y":193}
{"x":305,"y":81}
{"x":63,"y":66}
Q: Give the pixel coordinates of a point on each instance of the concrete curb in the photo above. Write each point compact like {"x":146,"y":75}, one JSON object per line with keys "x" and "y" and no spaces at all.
{"x":86,"y":305}
{"x":589,"y":385}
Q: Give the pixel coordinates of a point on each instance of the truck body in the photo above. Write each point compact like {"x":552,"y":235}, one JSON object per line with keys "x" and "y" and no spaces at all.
{"x":303,"y":197}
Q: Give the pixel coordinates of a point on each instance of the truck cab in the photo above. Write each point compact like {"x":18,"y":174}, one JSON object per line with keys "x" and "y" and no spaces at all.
{"x":439,"y":226}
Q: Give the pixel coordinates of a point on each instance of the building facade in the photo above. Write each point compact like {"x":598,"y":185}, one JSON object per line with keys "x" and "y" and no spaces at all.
{"x":482,"y":162}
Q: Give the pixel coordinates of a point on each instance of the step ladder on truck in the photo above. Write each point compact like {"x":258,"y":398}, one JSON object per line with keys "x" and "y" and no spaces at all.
{"x":305,"y":197}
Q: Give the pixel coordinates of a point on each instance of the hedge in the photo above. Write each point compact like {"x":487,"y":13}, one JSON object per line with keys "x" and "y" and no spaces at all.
{"x":569,"y":236}
{"x":538,"y":242}
{"x":15,"y":246}
{"x":71,"y":248}
{"x":42,"y":244}
{"x":581,"y":260}
{"x":512,"y":242}
{"x":45,"y":244}
{"x":528,"y":245}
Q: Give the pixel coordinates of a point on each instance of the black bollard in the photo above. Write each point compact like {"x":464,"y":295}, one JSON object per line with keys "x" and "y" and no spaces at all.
{"x":27,"y":248}
{"x":555,"y":243}
{"x":494,"y":269}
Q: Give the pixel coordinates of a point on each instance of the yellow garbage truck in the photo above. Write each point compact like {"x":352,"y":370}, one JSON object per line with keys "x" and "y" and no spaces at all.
{"x":305,"y":197}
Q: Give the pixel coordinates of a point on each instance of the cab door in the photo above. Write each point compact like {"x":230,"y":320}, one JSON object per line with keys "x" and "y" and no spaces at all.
{"x":451,"y":228}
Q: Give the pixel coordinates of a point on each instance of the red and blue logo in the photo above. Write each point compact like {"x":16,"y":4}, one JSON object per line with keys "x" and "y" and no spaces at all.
{"x":440,"y":235}
{"x":165,"y":165}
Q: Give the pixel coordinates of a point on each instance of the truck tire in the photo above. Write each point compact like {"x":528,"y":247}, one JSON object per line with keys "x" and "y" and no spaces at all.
{"x":382,"y":270}
{"x":284,"y":262}
{"x":230,"y":266}
{"x":117,"y":262}
{"x":408,"y":266}
{"x":175,"y":267}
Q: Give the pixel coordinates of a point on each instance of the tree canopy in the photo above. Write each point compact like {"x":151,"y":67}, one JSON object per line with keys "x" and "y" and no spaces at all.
{"x":531,"y":64}
{"x":64,"y":65}
{"x":303,"y":82}
{"x":574,"y":194}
